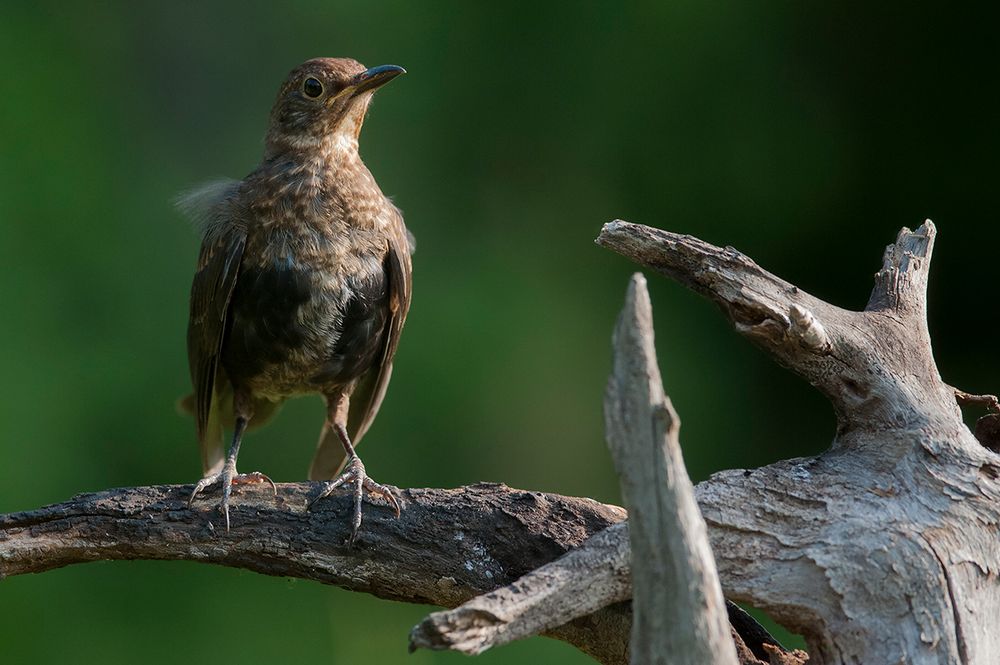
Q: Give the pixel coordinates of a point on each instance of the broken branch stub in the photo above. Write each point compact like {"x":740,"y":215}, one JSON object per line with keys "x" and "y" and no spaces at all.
{"x":679,"y":614}
{"x":683,"y":615}
{"x":575,"y":585}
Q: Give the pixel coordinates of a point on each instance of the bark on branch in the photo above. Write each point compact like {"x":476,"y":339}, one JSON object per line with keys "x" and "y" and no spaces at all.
{"x":447,"y":546}
{"x":583,"y":581}
{"x":852,"y":357}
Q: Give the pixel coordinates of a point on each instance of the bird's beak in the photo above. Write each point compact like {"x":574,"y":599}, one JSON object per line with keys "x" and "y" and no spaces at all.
{"x":375,"y":77}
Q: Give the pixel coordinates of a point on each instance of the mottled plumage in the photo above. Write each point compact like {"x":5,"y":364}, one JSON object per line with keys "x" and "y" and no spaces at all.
{"x":303,"y":282}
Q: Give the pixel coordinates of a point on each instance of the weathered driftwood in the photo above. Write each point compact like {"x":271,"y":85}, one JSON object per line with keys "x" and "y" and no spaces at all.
{"x":883,"y":549}
{"x":679,"y":615}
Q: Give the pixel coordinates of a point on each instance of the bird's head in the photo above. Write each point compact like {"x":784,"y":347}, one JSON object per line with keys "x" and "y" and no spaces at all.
{"x":322,"y":104}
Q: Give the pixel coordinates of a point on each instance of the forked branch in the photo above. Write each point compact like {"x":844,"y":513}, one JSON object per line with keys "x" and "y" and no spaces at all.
{"x":880,"y":550}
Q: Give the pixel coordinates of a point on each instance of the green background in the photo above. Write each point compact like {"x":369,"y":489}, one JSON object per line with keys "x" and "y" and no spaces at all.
{"x":804,"y":134}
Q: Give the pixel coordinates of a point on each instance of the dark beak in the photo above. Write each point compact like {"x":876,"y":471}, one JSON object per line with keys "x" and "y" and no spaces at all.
{"x":375,"y":77}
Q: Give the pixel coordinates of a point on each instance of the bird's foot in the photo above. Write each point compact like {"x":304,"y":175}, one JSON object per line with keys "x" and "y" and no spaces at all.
{"x":354,"y":476}
{"x":229,"y":477}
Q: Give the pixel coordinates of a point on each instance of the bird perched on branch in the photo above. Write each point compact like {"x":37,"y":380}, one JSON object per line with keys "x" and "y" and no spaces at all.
{"x":303,"y":283}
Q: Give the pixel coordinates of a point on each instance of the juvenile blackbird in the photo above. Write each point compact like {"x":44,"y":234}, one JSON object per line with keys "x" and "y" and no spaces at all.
{"x":303,"y":283}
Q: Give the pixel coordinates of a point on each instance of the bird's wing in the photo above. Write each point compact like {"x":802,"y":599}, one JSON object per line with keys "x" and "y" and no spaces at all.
{"x":211,"y":291}
{"x":366,"y":398}
{"x":370,"y":390}
{"x":218,"y":264}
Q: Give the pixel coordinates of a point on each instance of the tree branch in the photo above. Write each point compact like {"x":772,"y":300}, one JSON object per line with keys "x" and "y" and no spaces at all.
{"x":852,"y":357}
{"x":577,"y":584}
{"x":447,"y":546}
{"x":882,"y":549}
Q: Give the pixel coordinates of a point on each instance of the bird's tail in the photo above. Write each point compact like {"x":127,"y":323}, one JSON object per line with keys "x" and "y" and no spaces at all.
{"x":330,"y":457}
{"x":211,"y":441}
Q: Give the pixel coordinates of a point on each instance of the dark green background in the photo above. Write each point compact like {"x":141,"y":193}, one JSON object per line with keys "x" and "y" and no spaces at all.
{"x":804,"y":134}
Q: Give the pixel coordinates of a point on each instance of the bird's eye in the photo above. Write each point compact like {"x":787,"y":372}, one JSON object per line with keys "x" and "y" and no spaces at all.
{"x":312,"y":87}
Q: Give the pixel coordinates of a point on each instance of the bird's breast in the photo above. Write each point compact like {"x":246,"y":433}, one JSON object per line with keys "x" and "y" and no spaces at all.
{"x":306,"y":313}
{"x":310,"y":302}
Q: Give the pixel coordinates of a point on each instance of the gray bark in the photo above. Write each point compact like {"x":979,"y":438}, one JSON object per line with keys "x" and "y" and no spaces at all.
{"x":884,"y":548}
{"x":583,"y":581}
{"x":679,"y":614}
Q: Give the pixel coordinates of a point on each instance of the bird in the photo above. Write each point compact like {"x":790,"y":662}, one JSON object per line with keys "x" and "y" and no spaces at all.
{"x":302,"y":286}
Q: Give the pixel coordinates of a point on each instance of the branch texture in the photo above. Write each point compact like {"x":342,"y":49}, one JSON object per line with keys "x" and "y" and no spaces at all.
{"x":447,"y":546}
{"x":579,"y":583}
{"x":852,"y":357}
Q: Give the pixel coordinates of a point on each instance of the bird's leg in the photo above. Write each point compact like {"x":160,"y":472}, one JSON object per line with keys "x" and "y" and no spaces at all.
{"x":354,"y":474}
{"x":243,"y":407}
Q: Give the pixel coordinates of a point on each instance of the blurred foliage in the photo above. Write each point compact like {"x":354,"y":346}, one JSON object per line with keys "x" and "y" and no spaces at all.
{"x":805,"y":134}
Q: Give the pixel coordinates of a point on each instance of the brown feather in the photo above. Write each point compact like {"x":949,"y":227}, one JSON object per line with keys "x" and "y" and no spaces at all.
{"x":214,"y":281}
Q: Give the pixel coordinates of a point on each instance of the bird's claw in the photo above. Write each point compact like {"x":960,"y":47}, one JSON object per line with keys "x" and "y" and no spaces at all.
{"x":229,"y":477}
{"x":356,"y":477}
{"x":255,"y":478}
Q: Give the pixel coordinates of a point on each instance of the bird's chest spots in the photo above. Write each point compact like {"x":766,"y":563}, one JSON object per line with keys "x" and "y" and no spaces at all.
{"x":321,"y":200}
